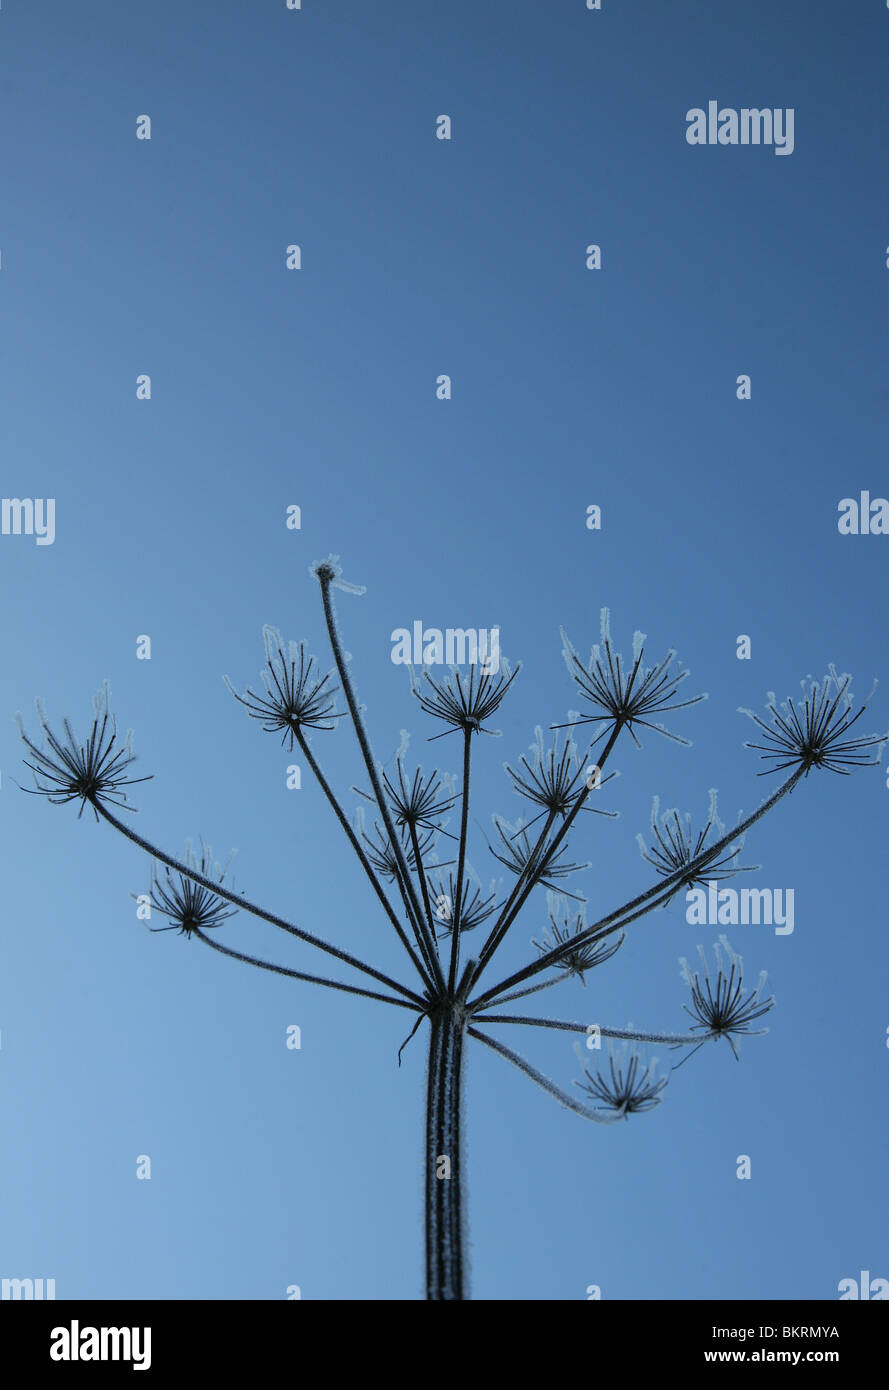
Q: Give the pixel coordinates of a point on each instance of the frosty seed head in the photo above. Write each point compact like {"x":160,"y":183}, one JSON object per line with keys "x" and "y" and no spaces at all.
{"x":92,"y":772}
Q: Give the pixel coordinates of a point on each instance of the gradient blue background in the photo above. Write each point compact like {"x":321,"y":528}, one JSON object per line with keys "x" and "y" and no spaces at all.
{"x":119,"y":257}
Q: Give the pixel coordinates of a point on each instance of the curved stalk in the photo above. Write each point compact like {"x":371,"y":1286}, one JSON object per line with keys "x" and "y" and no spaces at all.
{"x":674,"y":1039}
{"x":599,"y":1117}
{"x":366,"y":753}
{"x":421,"y":875}
{"x":521,"y":891}
{"x":618,"y":919}
{"x":461,"y":861}
{"x":300,"y":975}
{"x":361,"y":856}
{"x":221,"y":892}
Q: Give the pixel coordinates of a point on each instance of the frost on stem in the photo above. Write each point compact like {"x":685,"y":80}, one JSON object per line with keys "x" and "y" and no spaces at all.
{"x":330,"y":572}
{"x":381,"y":854}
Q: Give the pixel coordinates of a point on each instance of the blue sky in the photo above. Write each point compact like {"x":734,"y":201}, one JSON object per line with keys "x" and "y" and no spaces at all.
{"x":570,"y":387}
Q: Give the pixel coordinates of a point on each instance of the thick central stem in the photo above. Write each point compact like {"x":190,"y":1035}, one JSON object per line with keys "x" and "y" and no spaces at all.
{"x":445,"y":1214}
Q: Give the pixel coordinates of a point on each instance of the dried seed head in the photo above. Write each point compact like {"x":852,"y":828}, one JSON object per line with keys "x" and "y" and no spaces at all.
{"x":719,"y":1006}
{"x":555,"y":779}
{"x":465,"y":703}
{"x":418,"y":803}
{"x":564,"y":928}
{"x":676,"y":846}
{"x":811,"y":732}
{"x":520,"y":856}
{"x":475,"y":906}
{"x":295,"y":696}
{"x":92,"y":772}
{"x":190,"y":906}
{"x":626,"y":1088}
{"x":626,"y":698}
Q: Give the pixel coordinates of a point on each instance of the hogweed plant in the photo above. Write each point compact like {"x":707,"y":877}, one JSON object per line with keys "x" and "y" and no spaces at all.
{"x":454,"y":987}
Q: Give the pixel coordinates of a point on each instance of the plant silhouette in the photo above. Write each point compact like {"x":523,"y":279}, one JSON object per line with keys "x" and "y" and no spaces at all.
{"x":432,"y":914}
